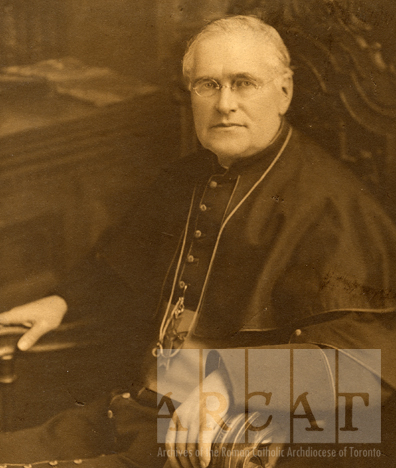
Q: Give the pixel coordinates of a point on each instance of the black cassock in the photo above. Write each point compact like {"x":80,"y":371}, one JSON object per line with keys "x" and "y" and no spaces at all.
{"x":294,"y":251}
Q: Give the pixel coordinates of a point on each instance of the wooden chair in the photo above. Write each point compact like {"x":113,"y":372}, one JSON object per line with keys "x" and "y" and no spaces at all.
{"x":344,"y":58}
{"x":67,"y":336}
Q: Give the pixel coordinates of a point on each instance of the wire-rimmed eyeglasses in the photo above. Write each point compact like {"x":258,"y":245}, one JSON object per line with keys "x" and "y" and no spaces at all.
{"x":243,"y":88}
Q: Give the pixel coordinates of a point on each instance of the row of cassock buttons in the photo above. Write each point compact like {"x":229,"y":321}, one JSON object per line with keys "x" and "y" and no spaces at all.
{"x":198,"y":233}
{"x":50,"y":463}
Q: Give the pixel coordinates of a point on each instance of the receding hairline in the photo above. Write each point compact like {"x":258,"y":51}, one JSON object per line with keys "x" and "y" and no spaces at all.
{"x":249,"y":26}
{"x":252,"y":40}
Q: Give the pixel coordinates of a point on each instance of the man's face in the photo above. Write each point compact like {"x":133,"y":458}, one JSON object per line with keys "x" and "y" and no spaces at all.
{"x":230,"y":126}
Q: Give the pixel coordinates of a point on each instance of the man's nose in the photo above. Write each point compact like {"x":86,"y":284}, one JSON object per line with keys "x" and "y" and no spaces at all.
{"x":226,"y":100}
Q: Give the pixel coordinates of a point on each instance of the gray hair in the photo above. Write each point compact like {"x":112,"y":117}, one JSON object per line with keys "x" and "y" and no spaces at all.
{"x":278,"y":58}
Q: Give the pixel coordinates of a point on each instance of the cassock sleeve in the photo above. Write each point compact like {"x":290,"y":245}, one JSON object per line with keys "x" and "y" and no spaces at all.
{"x":268,"y":370}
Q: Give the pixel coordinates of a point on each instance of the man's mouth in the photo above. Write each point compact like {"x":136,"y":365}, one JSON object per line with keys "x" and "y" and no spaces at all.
{"x":227,"y":125}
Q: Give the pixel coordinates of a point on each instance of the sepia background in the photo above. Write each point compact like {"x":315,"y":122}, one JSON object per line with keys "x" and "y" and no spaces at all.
{"x":93,"y":105}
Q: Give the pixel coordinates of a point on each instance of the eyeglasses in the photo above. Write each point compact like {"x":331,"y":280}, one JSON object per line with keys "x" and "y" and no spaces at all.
{"x":243,"y":88}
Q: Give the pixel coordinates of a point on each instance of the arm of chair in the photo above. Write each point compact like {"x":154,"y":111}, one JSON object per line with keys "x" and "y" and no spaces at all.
{"x":79,"y":334}
{"x":66,"y":336}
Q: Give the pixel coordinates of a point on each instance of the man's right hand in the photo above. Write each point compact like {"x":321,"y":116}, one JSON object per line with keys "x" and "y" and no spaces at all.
{"x":40,"y":317}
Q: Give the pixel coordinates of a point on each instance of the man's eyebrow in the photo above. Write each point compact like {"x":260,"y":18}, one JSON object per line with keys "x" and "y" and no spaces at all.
{"x":205,"y":77}
{"x":232,"y":77}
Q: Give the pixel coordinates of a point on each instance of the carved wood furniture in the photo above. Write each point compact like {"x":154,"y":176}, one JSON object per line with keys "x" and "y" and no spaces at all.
{"x":344,"y":58}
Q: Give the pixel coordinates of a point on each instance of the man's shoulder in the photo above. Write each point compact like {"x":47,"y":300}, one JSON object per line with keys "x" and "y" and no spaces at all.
{"x":315,"y":164}
{"x":311,"y":152}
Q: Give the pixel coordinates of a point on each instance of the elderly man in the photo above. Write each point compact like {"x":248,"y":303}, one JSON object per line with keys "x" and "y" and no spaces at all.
{"x":259,"y":240}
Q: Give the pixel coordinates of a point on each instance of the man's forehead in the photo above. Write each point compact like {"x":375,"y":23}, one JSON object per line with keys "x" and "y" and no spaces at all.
{"x":242,"y":53}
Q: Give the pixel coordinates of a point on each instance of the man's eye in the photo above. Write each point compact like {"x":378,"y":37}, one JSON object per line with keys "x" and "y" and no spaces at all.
{"x":244,"y":84}
{"x":208,"y":85}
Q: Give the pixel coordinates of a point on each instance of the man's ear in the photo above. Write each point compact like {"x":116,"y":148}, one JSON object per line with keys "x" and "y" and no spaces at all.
{"x":286,"y":87}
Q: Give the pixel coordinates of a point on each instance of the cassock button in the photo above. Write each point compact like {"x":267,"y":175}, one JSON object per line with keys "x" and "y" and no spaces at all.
{"x":28,"y":466}
{"x":126,"y":396}
{"x":110,"y":414}
{"x":197,"y":234}
{"x":182,"y":284}
{"x":78,"y":461}
{"x":52,"y":463}
{"x":213,"y":184}
{"x":203,"y":207}
{"x":298,"y":332}
{"x":190,"y":259}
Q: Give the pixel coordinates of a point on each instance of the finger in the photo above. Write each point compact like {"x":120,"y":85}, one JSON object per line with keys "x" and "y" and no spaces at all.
{"x":204,"y":454}
{"x":193,"y":452}
{"x":14,"y":316}
{"x":170,"y":445}
{"x":27,"y":324}
{"x":182,"y":448}
{"x":192,"y":444}
{"x":31,"y":337}
{"x":206,"y":438}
